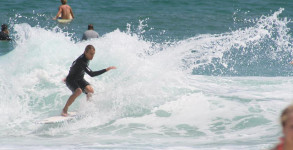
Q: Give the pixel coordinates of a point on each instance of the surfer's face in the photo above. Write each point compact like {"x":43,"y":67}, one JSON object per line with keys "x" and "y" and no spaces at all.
{"x":288,"y":128}
{"x":90,"y":54}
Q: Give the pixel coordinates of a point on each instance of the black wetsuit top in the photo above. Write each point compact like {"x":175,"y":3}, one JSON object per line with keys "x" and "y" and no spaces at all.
{"x":4,"y":36}
{"x":79,"y":66}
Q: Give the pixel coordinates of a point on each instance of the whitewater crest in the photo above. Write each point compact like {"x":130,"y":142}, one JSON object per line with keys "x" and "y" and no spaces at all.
{"x":162,"y":90}
{"x":263,"y":49}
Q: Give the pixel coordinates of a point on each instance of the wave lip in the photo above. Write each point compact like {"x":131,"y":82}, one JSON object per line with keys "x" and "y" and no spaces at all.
{"x":263,"y":49}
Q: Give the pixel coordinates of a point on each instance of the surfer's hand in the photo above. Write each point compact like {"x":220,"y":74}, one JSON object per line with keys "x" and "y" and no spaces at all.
{"x":64,"y":80}
{"x":109,"y":68}
{"x":291,"y":62}
{"x":54,"y":18}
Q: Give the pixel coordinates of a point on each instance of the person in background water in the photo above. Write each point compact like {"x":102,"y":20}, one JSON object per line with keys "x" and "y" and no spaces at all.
{"x":75,"y":79}
{"x":90,"y":33}
{"x":286,"y":142}
{"x":65,"y":11}
{"x":4,"y":34}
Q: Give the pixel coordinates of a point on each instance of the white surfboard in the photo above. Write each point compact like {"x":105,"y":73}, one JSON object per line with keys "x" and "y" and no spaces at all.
{"x":64,"y":20}
{"x":58,"y":119}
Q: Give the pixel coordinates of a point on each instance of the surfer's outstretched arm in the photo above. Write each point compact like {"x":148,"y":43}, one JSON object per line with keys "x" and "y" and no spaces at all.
{"x":96,"y":73}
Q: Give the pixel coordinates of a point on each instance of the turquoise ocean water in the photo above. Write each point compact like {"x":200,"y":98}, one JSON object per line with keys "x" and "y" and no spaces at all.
{"x":192,"y":74}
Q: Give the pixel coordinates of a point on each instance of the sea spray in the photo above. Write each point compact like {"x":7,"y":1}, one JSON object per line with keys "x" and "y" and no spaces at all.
{"x":263,"y":49}
{"x":157,"y":96}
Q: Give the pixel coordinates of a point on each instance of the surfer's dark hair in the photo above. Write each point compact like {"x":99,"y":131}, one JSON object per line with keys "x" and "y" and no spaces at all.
{"x":88,"y":47}
{"x":90,"y":27}
{"x":63,"y":2}
{"x":4,"y":27}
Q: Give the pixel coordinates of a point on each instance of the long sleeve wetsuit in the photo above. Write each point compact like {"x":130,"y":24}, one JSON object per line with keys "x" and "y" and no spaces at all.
{"x":75,"y":78}
{"x":79,"y":66}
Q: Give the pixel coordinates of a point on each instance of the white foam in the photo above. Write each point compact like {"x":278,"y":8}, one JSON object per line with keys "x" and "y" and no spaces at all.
{"x":152,"y":89}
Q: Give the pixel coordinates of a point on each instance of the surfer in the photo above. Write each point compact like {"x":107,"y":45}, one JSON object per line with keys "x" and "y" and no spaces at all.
{"x":287,"y":125}
{"x":4,"y":34}
{"x":65,"y":11}
{"x":75,"y":79}
{"x":90,"y":33}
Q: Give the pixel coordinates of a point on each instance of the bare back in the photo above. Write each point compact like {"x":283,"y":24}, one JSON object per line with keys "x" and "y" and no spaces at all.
{"x":65,"y":12}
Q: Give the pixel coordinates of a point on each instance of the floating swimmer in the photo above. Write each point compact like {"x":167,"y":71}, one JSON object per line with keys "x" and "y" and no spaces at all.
{"x":4,"y":34}
{"x":90,"y":33}
{"x":65,"y":12}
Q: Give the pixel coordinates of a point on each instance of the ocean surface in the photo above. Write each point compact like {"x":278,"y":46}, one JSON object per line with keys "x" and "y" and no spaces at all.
{"x":191,"y":74}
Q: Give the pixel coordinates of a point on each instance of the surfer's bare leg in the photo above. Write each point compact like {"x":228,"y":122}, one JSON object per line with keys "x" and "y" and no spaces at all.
{"x":70,"y":100}
{"x":89,"y":90}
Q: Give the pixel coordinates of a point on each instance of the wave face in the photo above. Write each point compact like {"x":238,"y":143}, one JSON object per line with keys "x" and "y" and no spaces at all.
{"x":185,"y":94}
{"x":264,"y":49}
